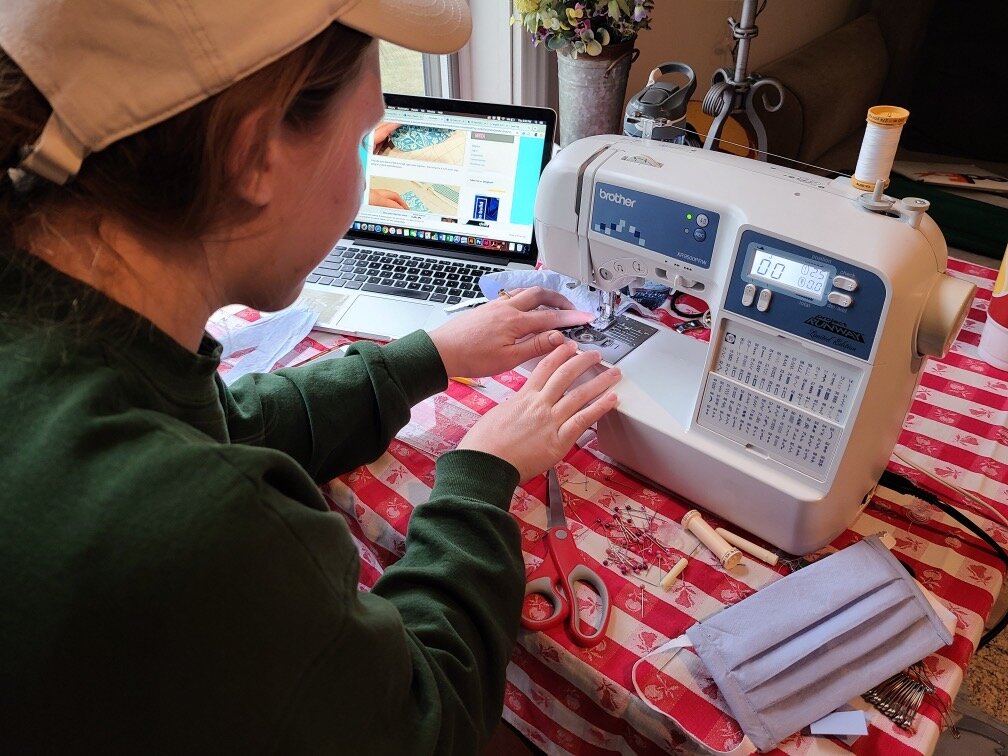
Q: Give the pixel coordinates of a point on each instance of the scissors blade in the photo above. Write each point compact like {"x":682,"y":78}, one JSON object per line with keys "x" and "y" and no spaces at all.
{"x":557,"y":518}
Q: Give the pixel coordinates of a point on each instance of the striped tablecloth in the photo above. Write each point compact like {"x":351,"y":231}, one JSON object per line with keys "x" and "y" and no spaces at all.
{"x":582,"y":701}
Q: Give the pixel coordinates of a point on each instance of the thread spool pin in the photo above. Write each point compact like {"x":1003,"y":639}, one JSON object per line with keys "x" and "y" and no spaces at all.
{"x":877,"y":202}
{"x":879,"y":188}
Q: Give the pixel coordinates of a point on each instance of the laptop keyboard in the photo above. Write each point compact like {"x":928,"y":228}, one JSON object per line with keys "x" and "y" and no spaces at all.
{"x":400,"y":274}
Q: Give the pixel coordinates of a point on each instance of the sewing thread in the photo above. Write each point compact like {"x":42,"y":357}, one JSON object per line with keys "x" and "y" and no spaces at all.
{"x":878,"y":149}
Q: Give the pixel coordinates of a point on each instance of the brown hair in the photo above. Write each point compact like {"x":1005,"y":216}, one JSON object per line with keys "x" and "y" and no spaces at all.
{"x":171,"y":179}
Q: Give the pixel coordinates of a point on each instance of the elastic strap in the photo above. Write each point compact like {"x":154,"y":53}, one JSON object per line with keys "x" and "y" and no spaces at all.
{"x":742,"y":749}
{"x":57,"y":155}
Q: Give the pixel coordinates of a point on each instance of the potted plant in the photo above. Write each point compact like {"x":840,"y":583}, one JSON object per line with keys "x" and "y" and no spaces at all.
{"x":594,"y":42}
{"x":583,"y":27}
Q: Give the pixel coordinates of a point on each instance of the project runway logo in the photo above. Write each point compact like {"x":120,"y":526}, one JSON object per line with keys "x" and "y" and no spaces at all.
{"x":835,"y":327}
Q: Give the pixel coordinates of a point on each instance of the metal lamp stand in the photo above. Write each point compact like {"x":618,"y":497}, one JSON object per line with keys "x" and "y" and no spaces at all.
{"x":735,"y":95}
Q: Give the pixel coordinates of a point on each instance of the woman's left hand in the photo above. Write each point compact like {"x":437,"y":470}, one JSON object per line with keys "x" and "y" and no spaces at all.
{"x":387,"y":198}
{"x":506,"y":332}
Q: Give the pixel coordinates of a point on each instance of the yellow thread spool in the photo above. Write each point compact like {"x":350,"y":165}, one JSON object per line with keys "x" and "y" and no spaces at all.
{"x":878,"y":149}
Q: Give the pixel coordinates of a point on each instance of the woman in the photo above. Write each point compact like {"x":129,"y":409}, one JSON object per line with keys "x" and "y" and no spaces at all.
{"x":173,"y":580}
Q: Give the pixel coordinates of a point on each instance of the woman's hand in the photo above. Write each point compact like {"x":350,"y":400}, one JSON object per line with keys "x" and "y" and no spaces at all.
{"x":535,"y":428}
{"x":387,"y":198}
{"x":506,"y":332}
{"x":382,"y":132}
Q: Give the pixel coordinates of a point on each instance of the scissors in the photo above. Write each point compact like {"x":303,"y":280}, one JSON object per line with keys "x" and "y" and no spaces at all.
{"x":554,"y":579}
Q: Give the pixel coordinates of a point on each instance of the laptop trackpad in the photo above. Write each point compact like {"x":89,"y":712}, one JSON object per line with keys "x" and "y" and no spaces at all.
{"x":383,"y":318}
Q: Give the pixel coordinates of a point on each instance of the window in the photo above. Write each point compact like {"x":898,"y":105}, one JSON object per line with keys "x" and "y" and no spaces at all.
{"x":498,"y":65}
{"x":408,"y":72}
{"x":401,"y":69}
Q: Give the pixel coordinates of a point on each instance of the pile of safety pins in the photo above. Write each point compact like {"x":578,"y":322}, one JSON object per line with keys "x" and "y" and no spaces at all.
{"x":900,"y":697}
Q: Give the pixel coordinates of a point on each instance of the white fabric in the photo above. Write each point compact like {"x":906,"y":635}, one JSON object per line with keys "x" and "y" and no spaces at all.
{"x":581,"y":295}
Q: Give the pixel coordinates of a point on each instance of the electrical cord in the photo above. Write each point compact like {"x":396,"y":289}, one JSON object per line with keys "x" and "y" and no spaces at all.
{"x":991,"y":511}
{"x":903,"y":485}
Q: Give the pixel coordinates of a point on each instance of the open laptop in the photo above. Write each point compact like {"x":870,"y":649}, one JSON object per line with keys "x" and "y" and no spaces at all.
{"x":450,"y":193}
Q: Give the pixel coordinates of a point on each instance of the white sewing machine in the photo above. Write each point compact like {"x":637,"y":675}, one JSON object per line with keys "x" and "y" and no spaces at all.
{"x":824,"y":302}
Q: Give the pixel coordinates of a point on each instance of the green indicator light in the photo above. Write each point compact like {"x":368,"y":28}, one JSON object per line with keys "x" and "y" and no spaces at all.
{"x":689,"y":216}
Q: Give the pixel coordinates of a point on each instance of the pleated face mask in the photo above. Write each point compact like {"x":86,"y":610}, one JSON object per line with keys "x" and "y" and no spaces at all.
{"x":808,"y":643}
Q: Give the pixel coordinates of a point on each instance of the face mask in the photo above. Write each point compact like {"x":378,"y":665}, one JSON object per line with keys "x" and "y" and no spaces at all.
{"x":806,"y":644}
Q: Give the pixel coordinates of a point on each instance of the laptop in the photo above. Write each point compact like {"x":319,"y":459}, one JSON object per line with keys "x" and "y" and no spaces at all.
{"x":450,"y":194}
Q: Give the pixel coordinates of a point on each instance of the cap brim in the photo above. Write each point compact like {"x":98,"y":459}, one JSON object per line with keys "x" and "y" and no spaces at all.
{"x":430,"y":26}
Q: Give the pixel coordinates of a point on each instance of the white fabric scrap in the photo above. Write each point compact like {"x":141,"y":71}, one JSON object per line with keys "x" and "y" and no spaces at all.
{"x":581,"y":295}
{"x":269,"y":338}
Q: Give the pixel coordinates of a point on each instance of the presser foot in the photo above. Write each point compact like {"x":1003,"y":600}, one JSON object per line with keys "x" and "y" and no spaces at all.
{"x":601,"y":323}
{"x":624,"y":335}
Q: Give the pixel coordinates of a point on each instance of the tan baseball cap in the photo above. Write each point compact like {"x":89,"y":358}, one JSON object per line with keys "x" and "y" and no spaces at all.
{"x":111,"y":68}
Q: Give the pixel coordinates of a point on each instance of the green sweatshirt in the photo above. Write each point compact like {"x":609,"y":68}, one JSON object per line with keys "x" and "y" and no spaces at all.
{"x":171,"y":579}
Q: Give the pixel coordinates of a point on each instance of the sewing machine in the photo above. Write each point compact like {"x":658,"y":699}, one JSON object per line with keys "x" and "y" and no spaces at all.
{"x":824,"y":302}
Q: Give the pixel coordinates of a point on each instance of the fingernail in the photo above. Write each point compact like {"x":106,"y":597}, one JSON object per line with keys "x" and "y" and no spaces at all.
{"x":556,"y":338}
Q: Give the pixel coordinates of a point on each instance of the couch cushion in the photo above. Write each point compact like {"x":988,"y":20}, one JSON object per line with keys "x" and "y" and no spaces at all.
{"x":833,"y":81}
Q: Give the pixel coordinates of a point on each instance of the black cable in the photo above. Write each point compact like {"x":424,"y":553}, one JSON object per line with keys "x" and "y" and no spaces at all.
{"x":904,"y":485}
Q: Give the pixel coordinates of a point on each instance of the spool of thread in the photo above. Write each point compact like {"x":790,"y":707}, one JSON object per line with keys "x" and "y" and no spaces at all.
{"x":878,"y":149}
{"x":993,"y":346}
{"x":750,"y":548}
{"x":727,"y":554}
{"x":671,"y":575}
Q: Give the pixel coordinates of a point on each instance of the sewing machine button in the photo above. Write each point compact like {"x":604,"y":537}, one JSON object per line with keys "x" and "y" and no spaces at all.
{"x":638,"y":267}
{"x":702,"y":220}
{"x":619,"y":267}
{"x":840,"y":300}
{"x":844,"y":282}
{"x":764,"y":300}
{"x":699,"y":234}
{"x":748,"y":294}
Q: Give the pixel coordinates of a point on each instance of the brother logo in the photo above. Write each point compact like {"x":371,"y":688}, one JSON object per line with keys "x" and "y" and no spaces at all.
{"x":614,"y":197}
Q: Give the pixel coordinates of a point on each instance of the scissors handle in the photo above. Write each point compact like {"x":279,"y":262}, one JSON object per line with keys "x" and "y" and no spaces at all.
{"x":555,"y":579}
{"x":544,"y":582}
{"x":582,"y":573}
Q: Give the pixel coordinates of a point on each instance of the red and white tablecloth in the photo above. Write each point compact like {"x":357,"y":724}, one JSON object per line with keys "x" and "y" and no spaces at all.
{"x":581,"y":701}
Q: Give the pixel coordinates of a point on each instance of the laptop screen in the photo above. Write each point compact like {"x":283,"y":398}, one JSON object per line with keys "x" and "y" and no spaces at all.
{"x":455,"y":176}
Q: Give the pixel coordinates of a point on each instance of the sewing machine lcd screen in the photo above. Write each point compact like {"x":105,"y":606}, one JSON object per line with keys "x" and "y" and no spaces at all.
{"x":789,"y":273}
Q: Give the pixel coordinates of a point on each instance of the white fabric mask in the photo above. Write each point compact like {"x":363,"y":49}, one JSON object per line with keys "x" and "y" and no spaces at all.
{"x":808,"y":643}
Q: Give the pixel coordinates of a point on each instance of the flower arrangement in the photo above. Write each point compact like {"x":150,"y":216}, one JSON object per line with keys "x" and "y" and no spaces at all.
{"x":583,"y":26}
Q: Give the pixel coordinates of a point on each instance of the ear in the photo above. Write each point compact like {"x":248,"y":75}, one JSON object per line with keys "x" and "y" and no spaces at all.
{"x":251,"y":161}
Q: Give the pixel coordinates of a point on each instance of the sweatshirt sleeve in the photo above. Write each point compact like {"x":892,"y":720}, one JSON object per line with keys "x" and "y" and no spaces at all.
{"x":430,"y":644}
{"x":337,"y":414}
